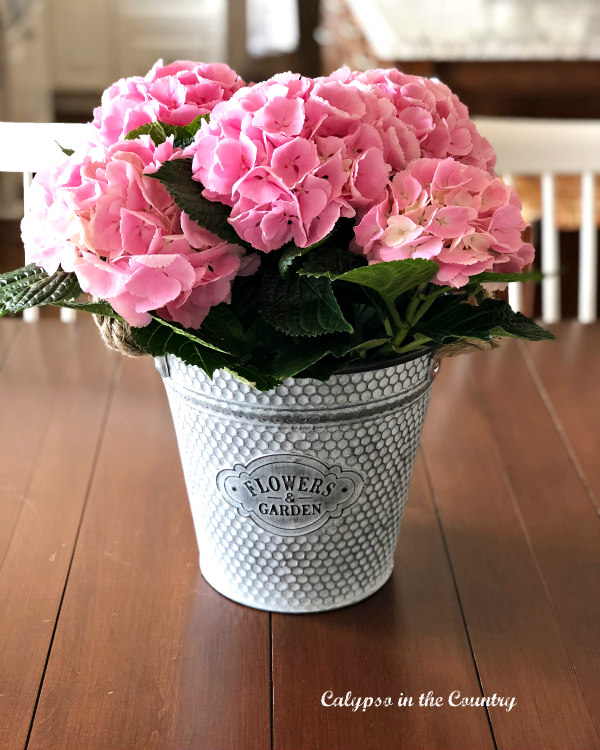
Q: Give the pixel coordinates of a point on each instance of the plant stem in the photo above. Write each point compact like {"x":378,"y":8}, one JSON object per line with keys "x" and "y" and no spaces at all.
{"x":395,"y":315}
{"x":414,"y":312}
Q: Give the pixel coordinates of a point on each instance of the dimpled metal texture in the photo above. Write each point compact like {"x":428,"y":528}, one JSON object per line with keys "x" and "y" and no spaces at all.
{"x":357,"y":433}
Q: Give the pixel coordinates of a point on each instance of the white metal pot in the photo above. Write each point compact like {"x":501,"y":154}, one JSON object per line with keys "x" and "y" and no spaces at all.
{"x":297,"y":494}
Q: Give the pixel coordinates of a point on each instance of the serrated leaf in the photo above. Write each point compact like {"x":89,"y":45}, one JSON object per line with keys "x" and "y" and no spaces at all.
{"x":223,"y":329}
{"x":176,"y":176}
{"x":292,"y":360}
{"x":331,"y":262}
{"x":450,"y":318}
{"x":187,"y":333}
{"x":255,"y":377}
{"x":32,"y":287}
{"x":291,"y":252}
{"x":321,"y":370}
{"x":55,"y":288}
{"x":316,"y":357}
{"x":20,"y":274}
{"x":156,"y":130}
{"x":301,"y":306}
{"x":392,"y":278}
{"x":94,"y":308}
{"x":184,"y":134}
{"x":157,"y":340}
{"x":160,"y":131}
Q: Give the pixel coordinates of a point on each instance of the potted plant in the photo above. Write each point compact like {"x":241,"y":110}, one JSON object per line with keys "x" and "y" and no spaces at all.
{"x":297,"y":255}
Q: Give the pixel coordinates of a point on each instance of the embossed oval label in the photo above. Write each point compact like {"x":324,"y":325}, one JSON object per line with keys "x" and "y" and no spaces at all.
{"x":289,"y":494}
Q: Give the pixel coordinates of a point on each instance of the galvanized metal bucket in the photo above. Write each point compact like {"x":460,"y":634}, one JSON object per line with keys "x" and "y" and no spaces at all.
{"x":297,"y":494}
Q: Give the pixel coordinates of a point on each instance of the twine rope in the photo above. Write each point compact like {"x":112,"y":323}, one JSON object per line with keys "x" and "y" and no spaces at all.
{"x":116,"y":335}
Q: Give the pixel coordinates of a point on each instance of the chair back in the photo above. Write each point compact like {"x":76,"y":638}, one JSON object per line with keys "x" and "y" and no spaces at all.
{"x":553,"y":150}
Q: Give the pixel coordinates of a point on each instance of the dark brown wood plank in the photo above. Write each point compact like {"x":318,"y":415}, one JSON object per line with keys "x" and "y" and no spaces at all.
{"x":561,"y":523}
{"x":569,"y":372}
{"x":408,"y":638}
{"x":145,"y":653}
{"x":516,"y":638}
{"x":53,"y":396}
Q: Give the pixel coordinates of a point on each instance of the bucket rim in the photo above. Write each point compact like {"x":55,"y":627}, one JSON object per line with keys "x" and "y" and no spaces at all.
{"x":382,"y":362}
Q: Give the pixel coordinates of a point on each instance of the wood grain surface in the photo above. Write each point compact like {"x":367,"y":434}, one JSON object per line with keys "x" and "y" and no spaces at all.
{"x":52,"y":420}
{"x":110,"y":638}
{"x":8,"y":334}
{"x":146,"y":654}
{"x":560,"y":523}
{"x":513,"y":626}
{"x":567,"y":373}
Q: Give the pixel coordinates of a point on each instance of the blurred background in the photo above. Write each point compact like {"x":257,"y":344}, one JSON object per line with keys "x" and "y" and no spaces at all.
{"x":524,"y":58}
{"x":502,"y":57}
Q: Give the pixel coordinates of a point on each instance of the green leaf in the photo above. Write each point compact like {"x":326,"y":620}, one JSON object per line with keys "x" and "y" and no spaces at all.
{"x":291,"y":252}
{"x":95,"y":308}
{"x":66,"y":151}
{"x":48,"y":291}
{"x":184,"y":134}
{"x":17,"y":283}
{"x":451,"y":318}
{"x":290,"y":361}
{"x":392,"y":278}
{"x":159,"y":338}
{"x":301,"y":306}
{"x":255,"y":377}
{"x":188,"y":333}
{"x":223,"y":329}
{"x":321,"y":370}
{"x":32,"y":287}
{"x":176,"y":176}
{"x":27,"y":274}
{"x":332,"y":262}
{"x":160,"y":131}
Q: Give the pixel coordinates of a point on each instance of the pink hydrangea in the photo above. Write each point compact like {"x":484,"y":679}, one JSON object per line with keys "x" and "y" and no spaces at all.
{"x":105,"y":218}
{"x":175,"y":94}
{"x":456,"y":214}
{"x":436,"y":115}
{"x":292,"y":155}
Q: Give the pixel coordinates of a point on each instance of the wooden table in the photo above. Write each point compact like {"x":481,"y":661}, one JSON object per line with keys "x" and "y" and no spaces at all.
{"x":109,"y":637}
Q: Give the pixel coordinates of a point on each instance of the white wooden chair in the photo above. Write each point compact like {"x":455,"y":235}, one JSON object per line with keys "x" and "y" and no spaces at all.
{"x":549,"y":148}
{"x":27,"y":147}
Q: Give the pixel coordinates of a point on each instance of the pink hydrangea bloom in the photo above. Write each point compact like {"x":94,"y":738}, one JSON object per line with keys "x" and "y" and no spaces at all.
{"x":437,"y":117}
{"x":292,"y":155}
{"x":175,"y":94}
{"x":105,"y":218}
{"x":456,"y":214}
